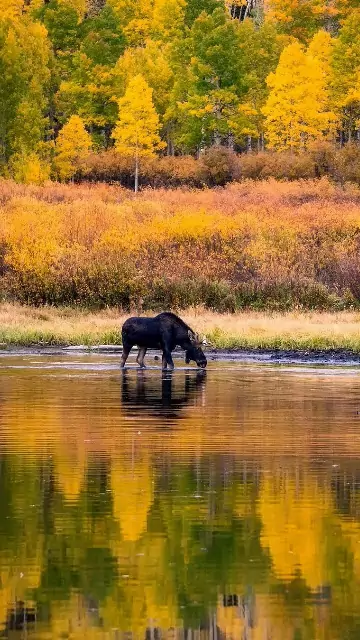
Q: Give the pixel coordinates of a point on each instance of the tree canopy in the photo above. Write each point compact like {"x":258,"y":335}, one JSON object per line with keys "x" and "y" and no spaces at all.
{"x":234,"y":74}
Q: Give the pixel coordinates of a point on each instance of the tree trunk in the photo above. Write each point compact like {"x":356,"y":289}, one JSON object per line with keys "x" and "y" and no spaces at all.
{"x":231,"y":142}
{"x":136,"y":189}
{"x":170,"y":144}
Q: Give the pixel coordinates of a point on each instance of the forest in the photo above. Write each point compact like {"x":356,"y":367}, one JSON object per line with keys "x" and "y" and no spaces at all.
{"x":90,"y":89}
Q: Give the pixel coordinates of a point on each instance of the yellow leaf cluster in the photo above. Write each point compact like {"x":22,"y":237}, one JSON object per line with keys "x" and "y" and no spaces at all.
{"x":137,"y":129}
{"x":297,"y":109}
{"x":73,"y":143}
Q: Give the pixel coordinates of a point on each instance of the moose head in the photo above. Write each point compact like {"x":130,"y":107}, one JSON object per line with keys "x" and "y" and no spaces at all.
{"x":195,"y":351}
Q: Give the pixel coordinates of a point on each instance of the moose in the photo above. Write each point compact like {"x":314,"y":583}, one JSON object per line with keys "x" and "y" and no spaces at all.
{"x":165,"y":331}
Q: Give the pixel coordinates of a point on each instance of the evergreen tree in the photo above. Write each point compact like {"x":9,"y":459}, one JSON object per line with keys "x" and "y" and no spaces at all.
{"x":137,"y":129}
{"x":89,"y":88}
{"x":211,"y":83}
{"x":259,"y":50}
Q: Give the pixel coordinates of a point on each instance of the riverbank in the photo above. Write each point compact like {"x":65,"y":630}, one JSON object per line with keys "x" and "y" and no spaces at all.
{"x":292,"y":331}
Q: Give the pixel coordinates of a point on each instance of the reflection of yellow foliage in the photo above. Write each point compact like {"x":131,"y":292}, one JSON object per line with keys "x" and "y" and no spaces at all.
{"x":70,"y":473}
{"x":292,"y":520}
{"x":132,"y":491}
{"x":146,"y":593}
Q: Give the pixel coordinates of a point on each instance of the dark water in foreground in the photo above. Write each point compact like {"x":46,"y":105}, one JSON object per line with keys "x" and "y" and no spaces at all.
{"x":224,"y":505}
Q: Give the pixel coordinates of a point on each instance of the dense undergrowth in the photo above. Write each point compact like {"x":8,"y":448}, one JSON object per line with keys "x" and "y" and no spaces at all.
{"x":260,"y":245}
{"x":219,"y":166}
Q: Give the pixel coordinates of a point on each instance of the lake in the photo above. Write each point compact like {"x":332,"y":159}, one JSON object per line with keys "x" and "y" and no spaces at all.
{"x":197,"y":505}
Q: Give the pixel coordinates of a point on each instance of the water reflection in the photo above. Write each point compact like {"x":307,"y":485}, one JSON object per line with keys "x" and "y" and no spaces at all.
{"x":154,"y":394}
{"x":242,"y":522}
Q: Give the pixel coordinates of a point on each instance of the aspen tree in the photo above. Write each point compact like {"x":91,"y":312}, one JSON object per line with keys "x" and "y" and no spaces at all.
{"x":137,"y":130}
{"x":297,"y":108}
{"x":72,"y":145}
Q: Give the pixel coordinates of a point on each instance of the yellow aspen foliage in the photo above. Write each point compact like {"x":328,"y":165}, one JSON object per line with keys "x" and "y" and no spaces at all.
{"x":297,"y":109}
{"x":73,"y":144}
{"x":320,"y":47}
{"x":70,"y":618}
{"x":168,"y":18}
{"x":135,"y":17}
{"x":152,"y":62}
{"x":12,"y":7}
{"x":348,"y":105}
{"x":137,"y":130}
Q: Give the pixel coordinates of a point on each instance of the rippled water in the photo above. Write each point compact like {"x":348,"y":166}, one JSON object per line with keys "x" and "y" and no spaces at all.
{"x":193,"y":505}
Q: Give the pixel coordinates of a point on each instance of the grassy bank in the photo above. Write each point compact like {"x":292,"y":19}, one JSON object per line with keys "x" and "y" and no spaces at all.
{"x":21,"y":325}
{"x":253,"y":245}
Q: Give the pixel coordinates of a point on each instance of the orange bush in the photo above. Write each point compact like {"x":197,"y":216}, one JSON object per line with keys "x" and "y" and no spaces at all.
{"x":252,"y":244}
{"x":219,"y":166}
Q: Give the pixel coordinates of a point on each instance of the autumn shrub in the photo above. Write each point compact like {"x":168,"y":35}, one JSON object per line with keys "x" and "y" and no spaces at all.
{"x":218,"y":166}
{"x":322,"y":153}
{"x":281,"y":165}
{"x":254,"y":244}
{"x":172,"y":171}
{"x":347,"y":164}
{"x":105,"y":166}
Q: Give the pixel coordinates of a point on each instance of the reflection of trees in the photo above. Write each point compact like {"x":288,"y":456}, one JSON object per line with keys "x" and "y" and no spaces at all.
{"x":239,"y":557}
{"x":108,"y":522}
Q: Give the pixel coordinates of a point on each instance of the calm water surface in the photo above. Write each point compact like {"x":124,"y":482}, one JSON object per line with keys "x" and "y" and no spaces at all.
{"x":191,"y":505}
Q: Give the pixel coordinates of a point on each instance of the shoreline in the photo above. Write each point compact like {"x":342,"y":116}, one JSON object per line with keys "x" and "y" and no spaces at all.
{"x":255,"y":355}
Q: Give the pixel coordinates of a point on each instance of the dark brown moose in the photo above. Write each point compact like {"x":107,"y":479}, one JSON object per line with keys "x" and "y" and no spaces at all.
{"x":165,"y":331}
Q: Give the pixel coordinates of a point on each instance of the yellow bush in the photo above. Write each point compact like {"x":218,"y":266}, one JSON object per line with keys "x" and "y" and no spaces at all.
{"x":259,"y":244}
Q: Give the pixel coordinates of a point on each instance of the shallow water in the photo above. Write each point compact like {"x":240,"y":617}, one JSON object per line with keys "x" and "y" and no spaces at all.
{"x":223,"y":504}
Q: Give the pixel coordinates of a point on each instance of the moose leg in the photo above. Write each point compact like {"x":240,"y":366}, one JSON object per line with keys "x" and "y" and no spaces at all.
{"x":125,"y":354}
{"x":168,"y":359}
{"x":164,"y":363}
{"x":141,"y":356}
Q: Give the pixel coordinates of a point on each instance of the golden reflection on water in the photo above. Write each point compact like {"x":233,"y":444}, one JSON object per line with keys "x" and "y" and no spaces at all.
{"x":223,"y":504}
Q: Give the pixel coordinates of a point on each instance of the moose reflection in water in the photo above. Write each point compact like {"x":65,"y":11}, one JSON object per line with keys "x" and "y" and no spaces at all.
{"x":165,"y":396}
